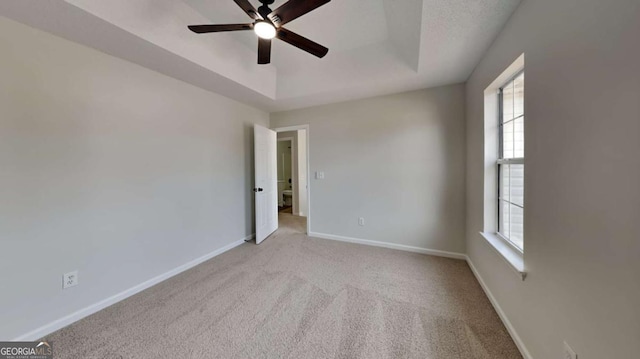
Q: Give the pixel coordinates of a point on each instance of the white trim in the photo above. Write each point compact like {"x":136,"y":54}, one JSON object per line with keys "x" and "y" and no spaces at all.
{"x":291,"y":128}
{"x":509,"y":73}
{"x":508,"y":252}
{"x":93,"y":308}
{"x":295,"y":128}
{"x":505,"y":320}
{"x":401,"y":247}
{"x":510,"y":161}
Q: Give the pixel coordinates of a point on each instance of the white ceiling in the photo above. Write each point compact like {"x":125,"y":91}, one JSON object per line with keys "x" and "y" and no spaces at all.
{"x":376,"y":47}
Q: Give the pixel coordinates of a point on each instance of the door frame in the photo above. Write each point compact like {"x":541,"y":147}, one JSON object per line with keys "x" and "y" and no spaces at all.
{"x":295,"y":128}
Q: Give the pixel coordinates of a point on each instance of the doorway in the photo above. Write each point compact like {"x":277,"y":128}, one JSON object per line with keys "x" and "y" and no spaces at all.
{"x":293,"y":178}
{"x":268,"y":197}
{"x":287,"y":195}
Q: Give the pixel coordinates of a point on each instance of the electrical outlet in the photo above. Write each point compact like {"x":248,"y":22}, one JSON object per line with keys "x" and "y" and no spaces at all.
{"x":361,"y":221}
{"x":568,"y":352}
{"x":69,"y":279}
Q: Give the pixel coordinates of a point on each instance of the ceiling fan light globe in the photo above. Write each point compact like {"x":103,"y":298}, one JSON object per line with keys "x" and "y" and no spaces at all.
{"x":264,"y":30}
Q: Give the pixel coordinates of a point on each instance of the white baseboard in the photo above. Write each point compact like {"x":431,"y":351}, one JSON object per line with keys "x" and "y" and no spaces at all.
{"x":402,"y":247}
{"x":512,"y":331}
{"x":93,"y":308}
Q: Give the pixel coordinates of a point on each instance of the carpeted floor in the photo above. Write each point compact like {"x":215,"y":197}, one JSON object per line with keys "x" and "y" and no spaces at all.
{"x":299,"y":297}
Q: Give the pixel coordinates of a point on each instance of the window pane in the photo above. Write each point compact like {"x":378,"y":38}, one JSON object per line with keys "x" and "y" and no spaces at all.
{"x":518,"y":137}
{"x":504,"y":182}
{"x":516,"y":227}
{"x":507,"y":140}
{"x":511,"y":176}
{"x":507,"y":102}
{"x":516,"y":193}
{"x":518,"y":96}
{"x":504,"y":219}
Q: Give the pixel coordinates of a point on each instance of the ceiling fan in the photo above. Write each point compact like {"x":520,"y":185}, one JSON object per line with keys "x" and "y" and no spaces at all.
{"x":268,"y":25}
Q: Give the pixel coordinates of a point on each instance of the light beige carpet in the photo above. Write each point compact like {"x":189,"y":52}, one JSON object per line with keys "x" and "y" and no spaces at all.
{"x":299,"y":297}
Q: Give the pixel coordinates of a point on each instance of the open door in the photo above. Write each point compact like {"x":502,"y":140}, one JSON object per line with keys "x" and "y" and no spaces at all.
{"x":266,"y":182}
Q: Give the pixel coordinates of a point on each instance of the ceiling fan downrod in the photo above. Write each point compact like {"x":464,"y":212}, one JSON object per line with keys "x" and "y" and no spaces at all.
{"x":264,"y":9}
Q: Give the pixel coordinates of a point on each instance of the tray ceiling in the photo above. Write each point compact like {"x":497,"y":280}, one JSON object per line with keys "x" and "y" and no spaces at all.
{"x":376,"y":47}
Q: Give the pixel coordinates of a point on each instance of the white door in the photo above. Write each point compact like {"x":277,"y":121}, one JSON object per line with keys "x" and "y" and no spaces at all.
{"x":266,"y":183}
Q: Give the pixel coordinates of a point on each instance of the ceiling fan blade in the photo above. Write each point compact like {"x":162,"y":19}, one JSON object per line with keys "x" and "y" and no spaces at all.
{"x":293,"y":9}
{"x":202,"y":29}
{"x":264,"y":51}
{"x":249,"y":9}
{"x":301,"y":42}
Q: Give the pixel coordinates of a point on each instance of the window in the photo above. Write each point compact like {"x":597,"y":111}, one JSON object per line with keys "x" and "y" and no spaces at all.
{"x":503,"y":206}
{"x":511,"y":161}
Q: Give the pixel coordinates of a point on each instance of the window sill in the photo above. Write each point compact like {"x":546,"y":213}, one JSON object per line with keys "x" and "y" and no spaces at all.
{"x":512,"y":256}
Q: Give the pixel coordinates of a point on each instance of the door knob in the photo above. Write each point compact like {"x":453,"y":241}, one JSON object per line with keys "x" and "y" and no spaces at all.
{"x":260,"y":189}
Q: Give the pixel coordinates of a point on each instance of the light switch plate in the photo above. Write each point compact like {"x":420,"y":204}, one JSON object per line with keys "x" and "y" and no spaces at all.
{"x":319,"y":175}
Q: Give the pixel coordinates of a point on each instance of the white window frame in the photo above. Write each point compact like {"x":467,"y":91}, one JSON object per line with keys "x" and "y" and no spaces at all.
{"x":506,"y":161}
{"x":503,"y":247}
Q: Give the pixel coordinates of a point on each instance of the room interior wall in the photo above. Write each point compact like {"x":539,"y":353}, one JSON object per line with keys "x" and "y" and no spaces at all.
{"x":397,"y":161}
{"x":110,"y":169}
{"x":582,"y":214}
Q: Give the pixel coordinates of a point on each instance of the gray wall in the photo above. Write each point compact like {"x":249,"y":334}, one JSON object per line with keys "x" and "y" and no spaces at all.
{"x":582,"y":216}
{"x":397,"y":161}
{"x":110,"y":169}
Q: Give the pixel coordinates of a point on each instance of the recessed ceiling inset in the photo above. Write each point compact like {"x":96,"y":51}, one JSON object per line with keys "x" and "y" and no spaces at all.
{"x":268,"y":25}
